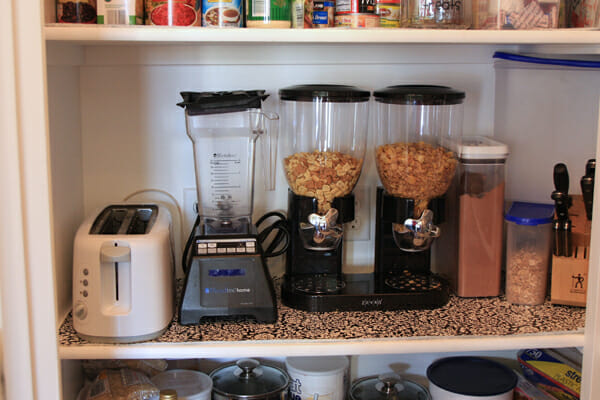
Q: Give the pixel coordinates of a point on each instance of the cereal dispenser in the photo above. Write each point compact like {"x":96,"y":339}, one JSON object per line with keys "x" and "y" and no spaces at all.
{"x":416,"y":127}
{"x":324,"y":132}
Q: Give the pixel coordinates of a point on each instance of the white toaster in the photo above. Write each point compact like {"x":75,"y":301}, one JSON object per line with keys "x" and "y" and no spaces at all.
{"x":123,"y":274}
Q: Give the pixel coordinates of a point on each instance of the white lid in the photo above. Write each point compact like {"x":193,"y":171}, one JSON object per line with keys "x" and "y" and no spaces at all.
{"x":482,"y":148}
{"x":189,"y":384}
{"x":317,"y":365}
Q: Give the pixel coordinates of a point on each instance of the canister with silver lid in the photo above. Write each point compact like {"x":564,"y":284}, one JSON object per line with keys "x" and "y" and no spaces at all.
{"x":248,"y":379}
{"x":388,"y":386}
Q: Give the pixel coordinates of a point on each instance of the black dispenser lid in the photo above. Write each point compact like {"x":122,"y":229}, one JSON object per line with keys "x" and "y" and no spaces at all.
{"x":326,"y":93}
{"x":199,"y":103}
{"x":419,"y":95}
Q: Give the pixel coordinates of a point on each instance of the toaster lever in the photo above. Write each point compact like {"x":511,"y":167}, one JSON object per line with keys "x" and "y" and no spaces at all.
{"x":115,"y":254}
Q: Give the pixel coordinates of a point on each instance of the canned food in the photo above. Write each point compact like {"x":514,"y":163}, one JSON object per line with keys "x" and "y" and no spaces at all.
{"x":323,"y":14}
{"x":390,"y":14}
{"x":354,"y":6}
{"x":222,"y":13}
{"x":78,"y":11}
{"x":357,"y":20}
{"x":120,"y":12}
{"x":172,"y":12}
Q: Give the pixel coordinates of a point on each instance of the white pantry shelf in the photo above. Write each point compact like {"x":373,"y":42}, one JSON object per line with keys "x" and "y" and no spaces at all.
{"x":283,"y":348}
{"x":93,"y":34}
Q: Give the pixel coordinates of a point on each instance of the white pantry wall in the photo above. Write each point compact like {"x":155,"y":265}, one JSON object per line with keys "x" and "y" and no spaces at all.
{"x":134,"y":138}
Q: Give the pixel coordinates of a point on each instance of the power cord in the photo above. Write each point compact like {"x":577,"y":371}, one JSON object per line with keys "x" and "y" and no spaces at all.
{"x":282,"y":234}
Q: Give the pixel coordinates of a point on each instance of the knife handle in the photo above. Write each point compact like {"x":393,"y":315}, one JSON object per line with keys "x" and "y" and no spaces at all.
{"x":561,"y":178}
{"x":587,"y":190}
{"x":590,"y":167}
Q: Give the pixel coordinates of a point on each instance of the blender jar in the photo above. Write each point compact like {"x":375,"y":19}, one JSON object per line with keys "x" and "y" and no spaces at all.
{"x":416,"y":128}
{"x":224,"y":128}
{"x":323,"y":151}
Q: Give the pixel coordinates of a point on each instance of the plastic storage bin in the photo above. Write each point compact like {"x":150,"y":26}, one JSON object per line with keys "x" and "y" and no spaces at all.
{"x":481,"y":211}
{"x":528,"y":250}
{"x":516,"y":14}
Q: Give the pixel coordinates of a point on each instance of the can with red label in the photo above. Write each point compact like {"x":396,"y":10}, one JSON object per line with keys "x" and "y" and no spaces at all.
{"x":173,"y":12}
{"x":354,"y":7}
{"x":323,"y":14}
{"x":357,"y":20}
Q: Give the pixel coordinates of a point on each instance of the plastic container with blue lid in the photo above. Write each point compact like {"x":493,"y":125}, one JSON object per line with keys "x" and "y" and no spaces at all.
{"x":528,"y":250}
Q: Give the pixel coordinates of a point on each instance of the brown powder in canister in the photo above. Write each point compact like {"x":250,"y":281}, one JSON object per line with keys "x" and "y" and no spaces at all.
{"x":480,"y":243}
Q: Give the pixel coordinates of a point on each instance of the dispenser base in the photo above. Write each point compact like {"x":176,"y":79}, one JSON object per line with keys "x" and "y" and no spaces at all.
{"x":359,"y":292}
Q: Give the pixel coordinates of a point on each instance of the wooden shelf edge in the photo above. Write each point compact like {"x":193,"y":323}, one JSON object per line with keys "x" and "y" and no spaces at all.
{"x":152,"y":34}
{"x":282,"y":348}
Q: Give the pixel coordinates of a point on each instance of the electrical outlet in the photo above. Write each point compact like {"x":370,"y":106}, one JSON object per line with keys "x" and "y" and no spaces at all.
{"x":360,"y":227}
{"x":190,"y":208}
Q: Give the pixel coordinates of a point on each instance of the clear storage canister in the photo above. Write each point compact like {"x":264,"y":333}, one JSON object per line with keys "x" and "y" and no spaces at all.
{"x":324,"y":133}
{"x":481,"y":211}
{"x":416,"y":126}
{"x":528,"y":249}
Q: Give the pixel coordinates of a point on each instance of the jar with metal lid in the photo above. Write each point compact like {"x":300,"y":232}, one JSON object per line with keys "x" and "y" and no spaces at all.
{"x":249,"y":379}
{"x":387,"y":387}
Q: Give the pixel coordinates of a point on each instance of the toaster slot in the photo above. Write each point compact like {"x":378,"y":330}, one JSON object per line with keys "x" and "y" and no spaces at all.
{"x":142,"y":221}
{"x":109,"y":221}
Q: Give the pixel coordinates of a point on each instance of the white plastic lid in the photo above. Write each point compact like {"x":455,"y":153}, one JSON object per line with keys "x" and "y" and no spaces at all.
{"x":317,"y":365}
{"x":189,"y":384}
{"x":482,"y":148}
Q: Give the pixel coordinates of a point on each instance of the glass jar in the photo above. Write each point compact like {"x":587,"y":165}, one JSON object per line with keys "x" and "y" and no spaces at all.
{"x":450,"y":14}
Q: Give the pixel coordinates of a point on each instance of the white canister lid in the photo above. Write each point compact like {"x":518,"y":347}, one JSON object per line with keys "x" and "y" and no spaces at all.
{"x":189,"y":384}
{"x":481,"y":148}
{"x":317,"y":365}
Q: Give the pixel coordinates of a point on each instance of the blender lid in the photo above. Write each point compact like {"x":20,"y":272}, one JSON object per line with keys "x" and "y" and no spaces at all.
{"x":327,"y":93}
{"x":387,"y":387}
{"x":248,"y":378}
{"x":199,"y":103}
{"x":419,"y":95}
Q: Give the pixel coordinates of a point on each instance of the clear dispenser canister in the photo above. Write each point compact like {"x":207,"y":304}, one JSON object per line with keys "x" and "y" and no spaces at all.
{"x":324,"y":139}
{"x":417,"y":127}
{"x":481,"y":216}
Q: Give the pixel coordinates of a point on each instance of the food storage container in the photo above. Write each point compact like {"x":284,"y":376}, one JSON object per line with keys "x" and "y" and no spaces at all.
{"x":247,"y":379}
{"x":189,"y":384}
{"x":449,"y":14}
{"x":318,"y":377}
{"x":528,"y":250}
{"x":387,"y":387}
{"x":470,"y":378}
{"x":516,"y":14}
{"x":481,"y":212}
{"x":418,"y":129}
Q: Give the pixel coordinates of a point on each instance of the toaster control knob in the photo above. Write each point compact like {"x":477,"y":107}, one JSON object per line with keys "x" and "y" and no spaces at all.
{"x":80,"y":311}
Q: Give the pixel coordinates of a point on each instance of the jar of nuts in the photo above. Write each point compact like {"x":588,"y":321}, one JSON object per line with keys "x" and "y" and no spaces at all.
{"x":324,"y":132}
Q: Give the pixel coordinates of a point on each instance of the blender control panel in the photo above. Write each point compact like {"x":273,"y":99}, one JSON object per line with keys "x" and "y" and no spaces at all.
{"x":224,"y":247}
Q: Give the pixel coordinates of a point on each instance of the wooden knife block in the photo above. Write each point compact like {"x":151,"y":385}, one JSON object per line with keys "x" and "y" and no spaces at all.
{"x":569,"y":279}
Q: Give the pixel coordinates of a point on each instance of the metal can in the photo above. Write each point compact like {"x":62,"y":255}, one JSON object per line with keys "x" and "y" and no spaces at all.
{"x":172,"y":12}
{"x":390,"y":14}
{"x":222,"y":13}
{"x":354,"y":6}
{"x":357,"y":20}
{"x":268,"y":14}
{"x":323,"y":14}
{"x":78,"y":11}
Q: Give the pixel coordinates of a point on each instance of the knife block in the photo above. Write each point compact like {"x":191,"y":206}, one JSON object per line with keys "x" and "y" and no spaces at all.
{"x":570,"y":274}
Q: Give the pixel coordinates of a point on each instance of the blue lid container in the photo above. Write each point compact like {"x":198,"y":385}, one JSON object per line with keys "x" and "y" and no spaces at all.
{"x":530,"y":214}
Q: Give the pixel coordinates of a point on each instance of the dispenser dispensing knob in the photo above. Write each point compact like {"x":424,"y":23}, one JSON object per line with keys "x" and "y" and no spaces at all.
{"x":80,"y":311}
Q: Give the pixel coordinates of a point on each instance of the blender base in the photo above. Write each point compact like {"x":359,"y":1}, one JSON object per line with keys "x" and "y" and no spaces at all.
{"x":360,"y":292}
{"x":227,"y":282}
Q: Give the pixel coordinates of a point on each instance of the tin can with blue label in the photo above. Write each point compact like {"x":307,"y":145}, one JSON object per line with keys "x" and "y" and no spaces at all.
{"x":323,"y":14}
{"x":222,"y":13}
